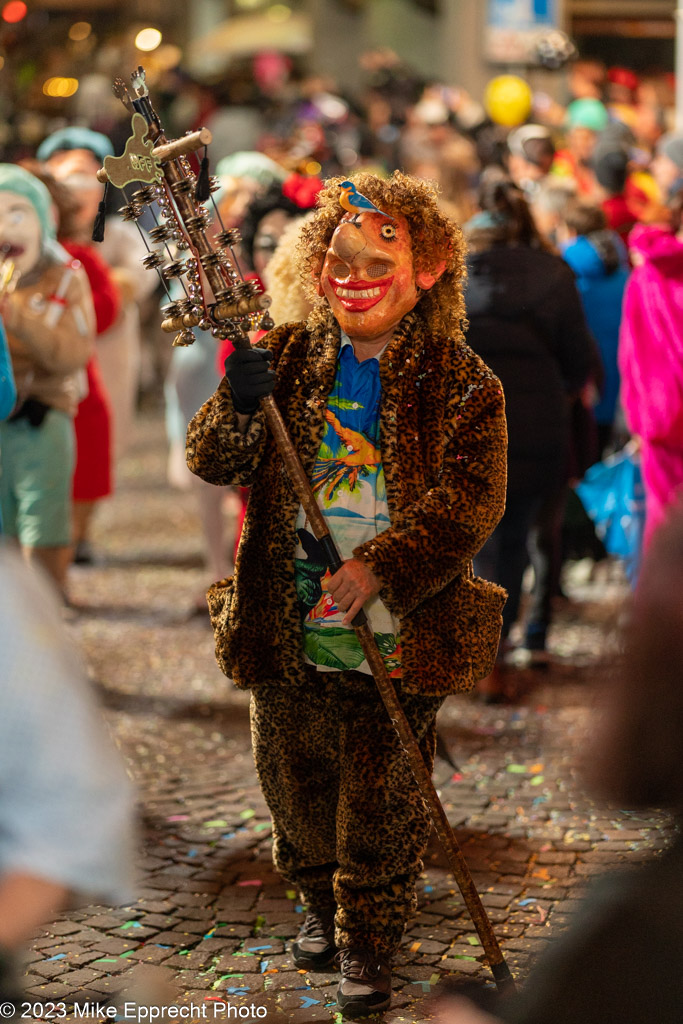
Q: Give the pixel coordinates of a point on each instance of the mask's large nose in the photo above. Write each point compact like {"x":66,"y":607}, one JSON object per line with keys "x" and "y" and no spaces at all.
{"x":352,"y":246}
{"x":348,"y":242}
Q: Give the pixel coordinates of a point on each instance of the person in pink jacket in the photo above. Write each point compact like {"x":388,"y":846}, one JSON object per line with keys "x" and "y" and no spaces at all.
{"x":651,"y":362}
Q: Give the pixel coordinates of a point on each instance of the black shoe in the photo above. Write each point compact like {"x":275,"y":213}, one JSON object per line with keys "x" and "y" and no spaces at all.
{"x":366,"y":983}
{"x":314,"y":947}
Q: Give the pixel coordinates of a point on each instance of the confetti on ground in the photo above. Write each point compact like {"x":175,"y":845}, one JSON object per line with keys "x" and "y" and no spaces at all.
{"x":251,"y":881}
{"x":203,"y":763}
{"x":537,"y":780}
{"x":249,"y":813}
{"x":59,"y":956}
{"x":215,"y":824}
{"x":543,"y":874}
{"x":473,"y":940}
{"x":415,"y":946}
{"x":306,"y":1001}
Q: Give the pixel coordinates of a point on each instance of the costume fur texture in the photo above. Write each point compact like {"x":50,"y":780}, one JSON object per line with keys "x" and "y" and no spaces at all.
{"x":443,"y":443}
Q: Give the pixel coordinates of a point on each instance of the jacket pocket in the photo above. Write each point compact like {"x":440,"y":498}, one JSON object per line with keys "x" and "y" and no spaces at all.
{"x":220,"y":599}
{"x":486,"y":601}
{"x":451,"y":640}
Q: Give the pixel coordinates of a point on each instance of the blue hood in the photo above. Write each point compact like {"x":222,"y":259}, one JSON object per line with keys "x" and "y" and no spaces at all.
{"x":586,"y":260}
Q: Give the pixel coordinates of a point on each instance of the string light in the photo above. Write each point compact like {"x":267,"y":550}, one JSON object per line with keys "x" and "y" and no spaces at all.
{"x":148,"y":39}
{"x":60,"y":87}
{"x":79,"y":31}
{"x":14,"y":11}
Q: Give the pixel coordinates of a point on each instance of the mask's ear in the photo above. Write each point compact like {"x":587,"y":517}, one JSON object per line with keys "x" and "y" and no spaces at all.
{"x":318,"y":284}
{"x":426,"y":279}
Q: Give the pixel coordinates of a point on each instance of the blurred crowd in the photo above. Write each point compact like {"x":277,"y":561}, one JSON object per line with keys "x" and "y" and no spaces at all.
{"x":572,"y":213}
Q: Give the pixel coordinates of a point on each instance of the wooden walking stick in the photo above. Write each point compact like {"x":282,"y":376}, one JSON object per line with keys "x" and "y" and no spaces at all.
{"x":387,"y":691}
{"x":218,"y":299}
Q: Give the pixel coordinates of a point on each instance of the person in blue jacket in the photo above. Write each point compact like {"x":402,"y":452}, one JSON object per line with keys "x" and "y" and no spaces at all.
{"x":8,"y":391}
{"x":600,"y":263}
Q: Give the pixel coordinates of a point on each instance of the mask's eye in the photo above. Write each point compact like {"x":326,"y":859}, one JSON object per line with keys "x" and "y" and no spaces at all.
{"x":377,"y":270}
{"x":388,"y":231}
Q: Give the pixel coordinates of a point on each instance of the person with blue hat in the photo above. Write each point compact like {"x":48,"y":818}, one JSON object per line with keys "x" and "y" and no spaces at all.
{"x":50,"y":330}
{"x":75,"y":138}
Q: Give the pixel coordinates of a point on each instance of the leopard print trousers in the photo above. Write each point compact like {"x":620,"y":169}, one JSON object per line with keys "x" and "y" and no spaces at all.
{"x":350,"y":827}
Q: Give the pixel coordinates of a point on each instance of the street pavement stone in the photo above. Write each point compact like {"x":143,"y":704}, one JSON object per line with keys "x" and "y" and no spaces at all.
{"x":212,"y":921}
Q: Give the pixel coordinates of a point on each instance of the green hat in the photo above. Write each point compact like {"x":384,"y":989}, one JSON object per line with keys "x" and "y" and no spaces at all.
{"x":75,"y":137}
{"x":16,"y":179}
{"x":251,"y":164}
{"x":587,"y":113}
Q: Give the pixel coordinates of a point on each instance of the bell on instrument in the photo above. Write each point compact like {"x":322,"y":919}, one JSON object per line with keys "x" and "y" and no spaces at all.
{"x":174,"y":269}
{"x":131,"y":211}
{"x":183,"y":339}
{"x":229,"y":237}
{"x":153,"y":260}
{"x":162,"y":233}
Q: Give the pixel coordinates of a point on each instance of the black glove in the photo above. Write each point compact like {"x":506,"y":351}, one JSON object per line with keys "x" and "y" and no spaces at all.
{"x":249,"y":377}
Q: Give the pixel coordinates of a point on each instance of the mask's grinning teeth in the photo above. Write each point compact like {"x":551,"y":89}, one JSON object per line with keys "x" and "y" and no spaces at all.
{"x":349,"y":293}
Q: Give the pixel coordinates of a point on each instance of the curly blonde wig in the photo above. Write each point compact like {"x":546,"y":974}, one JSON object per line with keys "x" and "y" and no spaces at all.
{"x":282,"y":277}
{"x":435,"y":237}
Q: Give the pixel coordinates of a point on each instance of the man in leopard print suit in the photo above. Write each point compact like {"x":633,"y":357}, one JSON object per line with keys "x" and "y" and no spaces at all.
{"x":401,"y":429}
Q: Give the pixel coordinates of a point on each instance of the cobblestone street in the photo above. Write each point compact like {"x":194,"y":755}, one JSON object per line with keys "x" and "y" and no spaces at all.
{"x":210,"y":911}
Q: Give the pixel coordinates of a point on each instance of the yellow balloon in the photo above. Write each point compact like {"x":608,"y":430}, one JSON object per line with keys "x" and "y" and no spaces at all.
{"x":508,"y":100}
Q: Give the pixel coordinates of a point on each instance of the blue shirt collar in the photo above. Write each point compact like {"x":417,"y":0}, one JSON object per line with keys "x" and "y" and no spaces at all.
{"x":345,"y":340}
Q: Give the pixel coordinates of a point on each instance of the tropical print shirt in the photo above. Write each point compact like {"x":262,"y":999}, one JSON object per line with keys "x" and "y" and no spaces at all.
{"x":348,"y":481}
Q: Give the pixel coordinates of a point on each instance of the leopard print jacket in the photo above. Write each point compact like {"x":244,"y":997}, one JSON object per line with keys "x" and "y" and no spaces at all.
{"x":443,"y":443}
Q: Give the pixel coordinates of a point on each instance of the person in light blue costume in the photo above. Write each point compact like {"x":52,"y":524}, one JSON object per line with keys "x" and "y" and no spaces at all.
{"x":8,"y":390}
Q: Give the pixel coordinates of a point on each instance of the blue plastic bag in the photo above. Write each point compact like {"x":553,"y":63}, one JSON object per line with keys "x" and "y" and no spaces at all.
{"x":613,"y":496}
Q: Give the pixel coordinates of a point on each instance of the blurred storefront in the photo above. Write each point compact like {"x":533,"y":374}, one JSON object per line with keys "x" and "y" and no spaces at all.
{"x":58,"y":57}
{"x":639,"y":34}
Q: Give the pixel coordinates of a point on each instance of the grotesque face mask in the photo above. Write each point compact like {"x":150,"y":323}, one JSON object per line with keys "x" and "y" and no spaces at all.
{"x":20,"y":232}
{"x":368,"y":276}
